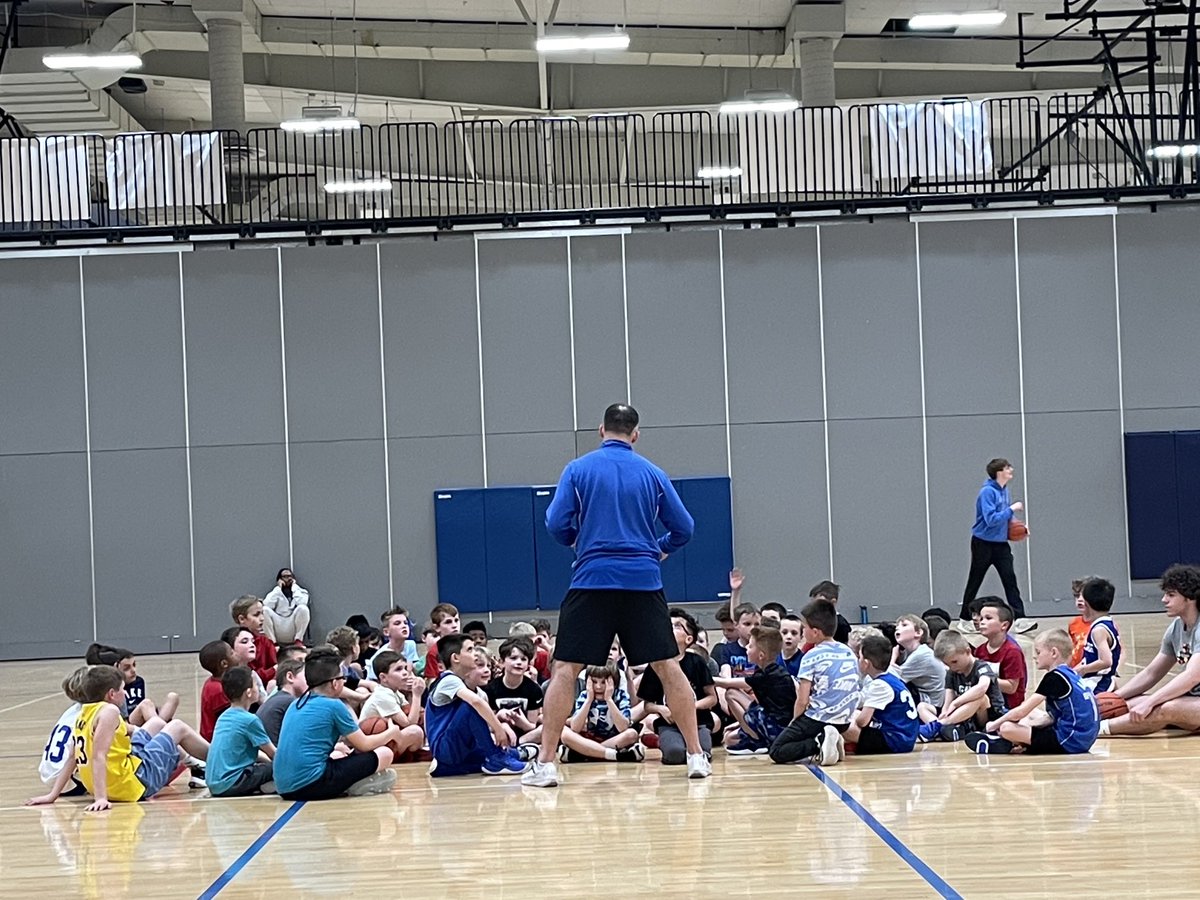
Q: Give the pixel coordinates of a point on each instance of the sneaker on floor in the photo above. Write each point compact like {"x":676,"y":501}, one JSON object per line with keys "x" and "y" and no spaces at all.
{"x":984,"y":743}
{"x":953,"y":733}
{"x":841,"y":747}
{"x":1024,"y":626}
{"x":379,"y":783}
{"x":541,"y":774}
{"x":761,"y":751}
{"x":196,"y":784}
{"x":636,"y":753}
{"x":742,"y":750}
{"x":930,"y":731}
{"x":698,"y":765}
{"x":562,"y":753}
{"x":829,"y":748}
{"x":527,"y":752}
{"x":503,"y":763}
{"x":268,"y":787}
{"x":650,"y":740}
{"x":965,"y":626}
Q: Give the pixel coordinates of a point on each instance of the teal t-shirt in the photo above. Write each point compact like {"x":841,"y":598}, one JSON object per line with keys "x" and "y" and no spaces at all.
{"x":234,"y":747}
{"x":311,"y":726}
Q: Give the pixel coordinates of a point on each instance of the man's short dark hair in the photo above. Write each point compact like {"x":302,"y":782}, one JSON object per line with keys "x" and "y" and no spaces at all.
{"x":1183,"y":580}
{"x":821,"y":615}
{"x":236,"y":681}
{"x":995,"y":466}
{"x":1099,"y":593}
{"x":449,"y":645}
{"x":877,"y":650}
{"x":828,"y":589}
{"x":620,"y":418}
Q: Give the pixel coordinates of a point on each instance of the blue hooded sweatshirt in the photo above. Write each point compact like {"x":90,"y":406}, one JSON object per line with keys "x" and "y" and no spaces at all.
{"x":606,"y":505}
{"x":993,"y":509}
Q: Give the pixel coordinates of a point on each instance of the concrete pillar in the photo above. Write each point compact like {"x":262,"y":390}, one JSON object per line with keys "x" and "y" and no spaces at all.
{"x":816,"y":72}
{"x":226,"y":74}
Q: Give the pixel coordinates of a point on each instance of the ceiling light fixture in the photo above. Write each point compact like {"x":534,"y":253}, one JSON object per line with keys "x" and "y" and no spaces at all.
{"x":1173,"y":151}
{"x":941,"y":21}
{"x":74,"y":61}
{"x":359,"y":186}
{"x":315,"y":119}
{"x":717,"y":172}
{"x":768,"y":101}
{"x":569,"y":43}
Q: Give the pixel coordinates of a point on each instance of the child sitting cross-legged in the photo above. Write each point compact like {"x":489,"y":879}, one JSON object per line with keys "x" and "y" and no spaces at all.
{"x":514,"y":696}
{"x":972,"y":696}
{"x":914,"y":662}
{"x":653,"y":695}
{"x":465,"y":736}
{"x":239,"y":758}
{"x":1102,"y":645}
{"x":312,"y":726}
{"x":289,"y":679}
{"x":114,"y":760}
{"x":790,"y":628}
{"x":1071,"y":722}
{"x":600,"y":728}
{"x":887,"y":722}
{"x":770,"y":696}
{"x":397,"y":699}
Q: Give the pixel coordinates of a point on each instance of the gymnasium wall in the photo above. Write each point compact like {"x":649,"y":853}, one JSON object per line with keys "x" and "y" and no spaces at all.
{"x":175,"y":426}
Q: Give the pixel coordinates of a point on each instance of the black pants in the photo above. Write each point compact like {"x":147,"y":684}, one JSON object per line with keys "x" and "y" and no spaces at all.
{"x":800,"y":740}
{"x":337,"y":778}
{"x":983,"y":555}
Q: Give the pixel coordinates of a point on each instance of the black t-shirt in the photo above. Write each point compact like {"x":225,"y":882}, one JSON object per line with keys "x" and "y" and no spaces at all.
{"x":694,"y":668}
{"x":525,"y":696}
{"x":842,"y":633}
{"x":775,"y":691}
{"x":1054,"y":686}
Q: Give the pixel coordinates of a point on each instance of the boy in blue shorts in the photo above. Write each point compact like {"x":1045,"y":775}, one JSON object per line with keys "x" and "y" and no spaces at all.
{"x":887,"y":722}
{"x":827,"y":695}
{"x":239,"y":758}
{"x":465,"y":737}
{"x":1102,"y":645}
{"x":1073,"y":722}
{"x":115,"y":761}
{"x":770,"y":693}
{"x":312,"y":726}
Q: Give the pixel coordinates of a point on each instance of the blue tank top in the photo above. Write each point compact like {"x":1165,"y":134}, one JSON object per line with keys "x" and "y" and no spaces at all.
{"x":1103,"y":680}
{"x":1076,"y":719}
{"x":898,"y":720}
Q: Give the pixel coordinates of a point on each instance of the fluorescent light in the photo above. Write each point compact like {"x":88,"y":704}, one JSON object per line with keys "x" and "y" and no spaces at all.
{"x":938,"y":21}
{"x":568,"y":43}
{"x":1173,"y":151}
{"x":123,"y":61}
{"x":767,"y":101}
{"x":714,"y":172}
{"x":312,"y":126}
{"x":359,"y":186}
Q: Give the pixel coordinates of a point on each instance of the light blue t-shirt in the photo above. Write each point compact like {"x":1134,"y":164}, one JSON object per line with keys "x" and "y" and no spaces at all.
{"x":311,"y":726}
{"x":234,"y":747}
{"x":833,"y":671}
{"x":409,"y":652}
{"x":599,"y":722}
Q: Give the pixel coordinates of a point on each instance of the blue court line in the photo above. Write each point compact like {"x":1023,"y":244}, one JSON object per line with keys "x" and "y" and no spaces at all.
{"x":898,"y":846}
{"x":253,"y":850}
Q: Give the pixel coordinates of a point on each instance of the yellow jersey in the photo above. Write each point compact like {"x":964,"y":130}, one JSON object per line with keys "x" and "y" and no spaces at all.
{"x":122,"y":765}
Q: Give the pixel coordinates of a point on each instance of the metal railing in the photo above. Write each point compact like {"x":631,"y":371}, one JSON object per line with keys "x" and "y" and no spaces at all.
{"x":860,"y":158}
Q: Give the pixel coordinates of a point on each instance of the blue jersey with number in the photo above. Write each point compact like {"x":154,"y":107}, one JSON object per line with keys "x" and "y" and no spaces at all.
{"x":1076,"y":719}
{"x":1103,"y":680}
{"x":898,"y":719}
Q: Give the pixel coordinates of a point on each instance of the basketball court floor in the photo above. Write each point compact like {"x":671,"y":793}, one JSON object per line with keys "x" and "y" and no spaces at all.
{"x":1120,"y":821}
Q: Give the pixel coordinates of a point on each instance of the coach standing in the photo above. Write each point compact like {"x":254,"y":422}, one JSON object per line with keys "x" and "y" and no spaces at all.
{"x":606,"y":507}
{"x":989,"y":538}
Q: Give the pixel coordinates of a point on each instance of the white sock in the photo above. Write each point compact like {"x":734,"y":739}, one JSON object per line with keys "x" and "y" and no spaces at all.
{"x":610,"y":754}
{"x":1104,"y":727}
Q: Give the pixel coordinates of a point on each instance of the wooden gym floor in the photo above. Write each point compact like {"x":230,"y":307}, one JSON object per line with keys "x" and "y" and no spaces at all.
{"x":1120,"y":821}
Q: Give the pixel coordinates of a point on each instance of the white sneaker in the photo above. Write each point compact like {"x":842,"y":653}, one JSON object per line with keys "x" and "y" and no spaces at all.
{"x":698,"y":765}
{"x":540,"y":774}
{"x":841,"y":747}
{"x":1024,"y":626}
{"x":829,"y":746}
{"x":379,"y":783}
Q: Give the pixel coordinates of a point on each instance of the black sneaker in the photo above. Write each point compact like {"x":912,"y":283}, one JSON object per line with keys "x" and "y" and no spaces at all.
{"x":983,"y":743}
{"x":953,"y":733}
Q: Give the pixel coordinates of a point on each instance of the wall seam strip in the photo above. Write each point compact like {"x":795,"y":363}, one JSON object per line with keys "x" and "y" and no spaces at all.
{"x":825,"y":398}
{"x":571,"y":325}
{"x":87,"y":435}
{"x":187,"y":444}
{"x":924,"y":419}
{"x":387,"y":473}
{"x":725,"y":373}
{"x":479,"y":337}
{"x":625,"y":312}
{"x":287,"y":441}
{"x":1021,"y":383}
{"x":1121,"y":405}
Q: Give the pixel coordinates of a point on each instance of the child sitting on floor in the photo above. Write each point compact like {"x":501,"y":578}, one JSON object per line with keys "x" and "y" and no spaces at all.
{"x":397,"y":699}
{"x":1102,"y":644}
{"x":241,"y":639}
{"x":138,"y":706}
{"x":600,"y":727}
{"x":887,"y":722}
{"x":972,"y":695}
{"x":914,"y":662}
{"x":239,"y":758}
{"x":516,"y":698}
{"x":658,"y":715}
{"x":771,"y":693}
{"x":61,"y":746}
{"x":790,"y":628}
{"x":247,"y":612}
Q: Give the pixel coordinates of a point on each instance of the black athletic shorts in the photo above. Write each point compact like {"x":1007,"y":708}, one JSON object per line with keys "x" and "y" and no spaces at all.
{"x":1044,"y":741}
{"x":871,"y":741}
{"x":337,"y":778}
{"x":591,"y":618}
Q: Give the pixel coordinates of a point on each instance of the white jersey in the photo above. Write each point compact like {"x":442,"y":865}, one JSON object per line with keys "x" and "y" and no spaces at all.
{"x":59,"y":748}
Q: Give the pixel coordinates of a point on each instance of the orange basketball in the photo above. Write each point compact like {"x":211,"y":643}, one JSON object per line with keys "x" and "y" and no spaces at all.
{"x":378,"y":725}
{"x":1017,"y":531}
{"x":1110,"y":705}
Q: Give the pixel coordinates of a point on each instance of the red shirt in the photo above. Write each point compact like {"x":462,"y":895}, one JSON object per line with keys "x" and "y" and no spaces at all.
{"x":1011,"y":658}
{"x":265,"y":657}
{"x":213,"y":702}
{"x":433,"y":665}
{"x":541,"y":663}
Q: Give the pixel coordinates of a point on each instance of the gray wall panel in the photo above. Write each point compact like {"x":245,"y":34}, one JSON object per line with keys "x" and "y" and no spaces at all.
{"x":686,"y":451}
{"x":430,"y":337}
{"x":240,"y":527}
{"x":1068,"y":314}
{"x":959,"y":450}
{"x":45,"y":555}
{"x":420,"y":466}
{"x":880,"y":553}
{"x":1159,"y":316}
{"x":331,"y":340}
{"x":598,"y":300}
{"x":526,"y":325}
{"x":969,"y":311}
{"x":41,"y":357}
{"x":872,"y":346}
{"x":235,"y":378}
{"x":1075,"y":497}
{"x":339,"y":528}
{"x":779,"y":510}
{"x":143,"y":555}
{"x":134,"y":351}
{"x":675,"y":346}
{"x":1178,"y":418}
{"x":773,"y":325}
{"x":534,"y":458}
